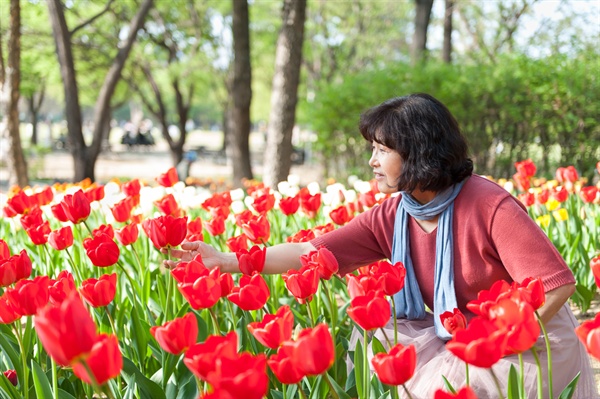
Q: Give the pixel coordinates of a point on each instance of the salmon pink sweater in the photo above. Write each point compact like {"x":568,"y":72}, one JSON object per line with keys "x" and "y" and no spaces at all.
{"x":494,"y":239}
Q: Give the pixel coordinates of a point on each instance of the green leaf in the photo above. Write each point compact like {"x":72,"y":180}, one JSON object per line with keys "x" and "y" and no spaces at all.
{"x":342,"y":394}
{"x":569,"y":390}
{"x":358,"y":369}
{"x":40,"y":381}
{"x":449,"y":386}
{"x":15,"y":359}
{"x":7,"y":388}
{"x":62,"y":394}
{"x":377,"y":346}
{"x":148,"y":388}
{"x":513,"y":383}
{"x":276,"y":394}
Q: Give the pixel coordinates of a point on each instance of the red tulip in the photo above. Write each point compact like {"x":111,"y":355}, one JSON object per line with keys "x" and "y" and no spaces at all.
{"x":76,"y":207}
{"x":289,"y":205}
{"x":33,"y":218}
{"x":201,"y":293}
{"x":104,"y":361}
{"x":253,"y":261}
{"x":314,"y":350}
{"x":589,"y":333}
{"x":165,"y":231}
{"x":102,"y":250}
{"x":310,"y":204}
{"x":397,"y":366}
{"x":19,"y":203}
{"x":241,"y":376}
{"x":167,"y":205}
{"x":225,"y":280}
{"x":560,"y":194}
{"x":340,"y":215}
{"x":481,"y":344}
{"x":39,"y":234}
{"x":302,"y":236}
{"x":274,"y":328}
{"x":215,"y":226}
{"x":169,"y":178}
{"x":595,"y":266}
{"x":320,"y":230}
{"x":463,"y":393}
{"x":518,"y":320}
{"x":589,"y":194}
{"x":526,"y":168}
{"x":285,"y":365}
{"x":8,"y":313}
{"x":59,"y":212}
{"x":367,"y":199}
{"x":393,"y":275}
{"x":258,"y":230}
{"x":99,"y":292}
{"x":121,"y":211}
{"x":542,"y":197}
{"x":194,"y":230}
{"x":127,"y":234}
{"x":61,"y":239}
{"x":95,"y":193}
{"x":61,"y":288}
{"x":4,"y":250}
{"x":532,"y":291}
{"x":188,"y":272}
{"x":487,"y":298}
{"x":178,"y":335}
{"x":263,"y":202}
{"x":200,"y":358}
{"x":302,"y":283}
{"x":238,"y":243}
{"x":568,"y":174}
{"x":251,"y":294}
{"x":29,"y":296}
{"x":364,"y":283}
{"x":370,"y":311}
{"x":67,"y":331}
{"x":323,"y":260}
{"x":218,"y":200}
{"x":11,"y":375}
{"x":131,"y":188}
{"x":15,"y":268}
{"x":453,"y":321}
{"x":43,"y":197}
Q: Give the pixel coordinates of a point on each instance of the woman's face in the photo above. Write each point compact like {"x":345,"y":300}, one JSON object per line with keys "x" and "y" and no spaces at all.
{"x":386,"y":164}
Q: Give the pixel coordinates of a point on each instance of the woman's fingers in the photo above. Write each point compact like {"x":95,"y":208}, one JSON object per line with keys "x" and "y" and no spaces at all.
{"x":169,"y":264}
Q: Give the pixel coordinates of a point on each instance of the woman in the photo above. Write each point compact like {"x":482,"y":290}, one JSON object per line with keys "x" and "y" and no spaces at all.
{"x":456,"y":233}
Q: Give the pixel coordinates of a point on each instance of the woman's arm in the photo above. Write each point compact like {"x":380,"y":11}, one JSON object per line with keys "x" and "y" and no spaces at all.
{"x":280,"y":258}
{"x":555,"y":299}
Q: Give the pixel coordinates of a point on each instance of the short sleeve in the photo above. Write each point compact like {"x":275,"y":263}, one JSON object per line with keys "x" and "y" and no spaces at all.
{"x":524,"y":249}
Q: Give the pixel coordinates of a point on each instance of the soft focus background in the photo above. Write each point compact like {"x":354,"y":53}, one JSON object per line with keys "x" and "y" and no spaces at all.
{"x":234,"y":90}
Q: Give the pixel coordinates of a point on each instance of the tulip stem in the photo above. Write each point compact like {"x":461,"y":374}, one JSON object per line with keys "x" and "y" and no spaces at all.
{"x":75,"y":270}
{"x":301,"y":391}
{"x":331,"y":388}
{"x":522,"y":377}
{"x":497,"y":382}
{"x":232,"y":312}
{"x":467,"y":374}
{"x":332,"y":308}
{"x":539,"y":376}
{"x":386,"y":337}
{"x":548,"y":353}
{"x":310,"y":314}
{"x":395,"y":321}
{"x":215,"y":321}
{"x":111,"y":321}
{"x":54,"y":380}
{"x":407,"y":391}
{"x":366,"y":368}
{"x":25,"y":376}
{"x":88,"y":228}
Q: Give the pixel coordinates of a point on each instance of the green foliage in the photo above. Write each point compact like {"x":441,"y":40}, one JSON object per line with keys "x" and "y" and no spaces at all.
{"x":507,"y":111}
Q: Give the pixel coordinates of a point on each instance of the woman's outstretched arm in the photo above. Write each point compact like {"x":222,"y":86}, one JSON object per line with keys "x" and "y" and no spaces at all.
{"x":280,"y":258}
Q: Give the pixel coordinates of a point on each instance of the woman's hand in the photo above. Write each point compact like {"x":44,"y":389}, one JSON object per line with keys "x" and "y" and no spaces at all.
{"x":210,"y":256}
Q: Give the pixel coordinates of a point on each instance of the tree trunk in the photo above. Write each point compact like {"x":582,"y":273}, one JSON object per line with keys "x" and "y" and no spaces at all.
{"x":422,"y":16}
{"x":34,"y":111}
{"x":447,"y":47}
{"x":62,"y":38}
{"x":284,"y":95}
{"x":241,"y":95}
{"x":17,"y":166}
{"x":102,"y":108}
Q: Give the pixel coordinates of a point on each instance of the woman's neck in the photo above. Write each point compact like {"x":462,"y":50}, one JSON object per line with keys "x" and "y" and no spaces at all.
{"x":423,"y":197}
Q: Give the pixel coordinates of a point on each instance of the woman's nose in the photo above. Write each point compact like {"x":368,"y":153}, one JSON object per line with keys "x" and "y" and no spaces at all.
{"x":373,"y":159}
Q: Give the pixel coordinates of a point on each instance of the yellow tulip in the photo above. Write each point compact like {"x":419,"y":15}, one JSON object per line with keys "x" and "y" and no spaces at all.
{"x":560,"y":215}
{"x":543,"y":221}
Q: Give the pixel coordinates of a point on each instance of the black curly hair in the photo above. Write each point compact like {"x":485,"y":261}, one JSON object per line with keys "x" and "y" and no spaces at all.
{"x":427,"y":137}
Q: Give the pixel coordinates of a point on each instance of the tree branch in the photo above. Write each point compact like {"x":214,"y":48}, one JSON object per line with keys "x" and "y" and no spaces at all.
{"x":92,"y":19}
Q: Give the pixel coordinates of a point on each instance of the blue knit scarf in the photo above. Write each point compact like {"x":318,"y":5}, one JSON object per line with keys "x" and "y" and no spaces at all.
{"x":409,"y":301}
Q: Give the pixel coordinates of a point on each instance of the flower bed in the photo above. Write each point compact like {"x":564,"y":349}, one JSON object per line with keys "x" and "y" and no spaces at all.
{"x":88,"y":305}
